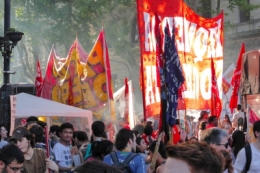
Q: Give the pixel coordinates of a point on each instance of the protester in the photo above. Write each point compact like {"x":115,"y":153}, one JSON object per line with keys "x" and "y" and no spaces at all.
{"x":125,"y":144}
{"x":30,"y":121}
{"x":226,"y":124}
{"x":176,"y":132}
{"x":54,"y":136}
{"x":161,"y":155}
{"x":212,"y":122}
{"x":11,"y":159}
{"x":202,"y":129}
{"x":238,"y":142}
{"x":148,"y":135}
{"x":3,"y":135}
{"x":96,"y":167}
{"x":61,"y":150}
{"x":98,"y":131}
{"x":38,"y":133}
{"x":238,"y":116}
{"x":141,"y":148}
{"x":203,"y":117}
{"x":255,"y":153}
{"x":192,"y":157}
{"x":34,"y":157}
{"x":100,"y":149}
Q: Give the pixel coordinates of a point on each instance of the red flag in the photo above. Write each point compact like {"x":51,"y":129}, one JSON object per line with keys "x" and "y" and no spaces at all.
{"x":253,"y":117}
{"x":235,"y":81}
{"x":126,"y":102}
{"x":38,"y":80}
{"x":216,"y":107}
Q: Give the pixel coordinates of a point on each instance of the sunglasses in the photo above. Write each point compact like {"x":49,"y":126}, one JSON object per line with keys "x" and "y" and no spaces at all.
{"x":225,"y":145}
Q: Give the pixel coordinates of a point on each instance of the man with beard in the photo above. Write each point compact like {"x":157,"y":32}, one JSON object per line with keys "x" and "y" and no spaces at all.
{"x":61,"y":150}
{"x":11,"y":159}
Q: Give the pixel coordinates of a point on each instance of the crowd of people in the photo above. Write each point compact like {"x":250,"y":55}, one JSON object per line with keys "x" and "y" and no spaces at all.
{"x":216,"y":147}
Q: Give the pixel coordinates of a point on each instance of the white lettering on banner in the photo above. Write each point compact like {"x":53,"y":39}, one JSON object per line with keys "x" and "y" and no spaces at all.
{"x":151,"y":96}
{"x":191,"y":38}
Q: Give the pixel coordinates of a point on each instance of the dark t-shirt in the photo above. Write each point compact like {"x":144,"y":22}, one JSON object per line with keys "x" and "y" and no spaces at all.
{"x":37,"y":163}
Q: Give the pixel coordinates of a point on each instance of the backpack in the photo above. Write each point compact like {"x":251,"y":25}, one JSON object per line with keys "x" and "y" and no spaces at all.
{"x":245,"y":123}
{"x":248,"y":158}
{"x":123,"y":166}
{"x":240,"y":123}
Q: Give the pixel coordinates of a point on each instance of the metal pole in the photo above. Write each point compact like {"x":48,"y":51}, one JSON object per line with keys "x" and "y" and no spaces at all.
{"x":6,"y":90}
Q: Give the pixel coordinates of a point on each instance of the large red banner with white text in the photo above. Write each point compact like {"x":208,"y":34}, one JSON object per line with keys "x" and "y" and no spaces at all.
{"x":197,"y":40}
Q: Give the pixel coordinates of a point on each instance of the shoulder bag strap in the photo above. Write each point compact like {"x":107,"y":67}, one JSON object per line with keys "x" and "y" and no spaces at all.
{"x":130,"y":157}
{"x":114,"y":157}
{"x":248,"y":157}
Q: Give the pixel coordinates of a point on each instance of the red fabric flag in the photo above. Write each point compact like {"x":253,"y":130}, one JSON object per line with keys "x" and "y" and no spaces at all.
{"x":126,"y":102}
{"x":38,"y":80}
{"x":235,"y":81}
{"x":225,"y":86}
{"x":216,"y":107}
{"x":253,"y":117}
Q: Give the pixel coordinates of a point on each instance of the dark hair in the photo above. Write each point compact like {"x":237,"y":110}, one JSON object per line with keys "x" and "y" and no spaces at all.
{"x":195,"y":154}
{"x":97,"y":167}
{"x":10,"y":153}
{"x":75,"y":134}
{"x":214,"y":135}
{"x":1,"y":125}
{"x":30,"y":138}
{"x":256,"y":127}
{"x":177,"y":121}
{"x":149,"y":123}
{"x":239,"y":107}
{"x":212,"y":118}
{"x":138,"y":142}
{"x":161,"y":150}
{"x":136,"y":132}
{"x":32,"y":119}
{"x":122,"y":138}
{"x":202,"y":125}
{"x":38,"y":132}
{"x":100,"y":149}
{"x":82,"y":136}
{"x":238,"y":141}
{"x":98,"y":128}
{"x":202,"y":113}
{"x":66,"y":126}
{"x":228,"y":119}
{"x":148,"y":130}
{"x":56,"y":129}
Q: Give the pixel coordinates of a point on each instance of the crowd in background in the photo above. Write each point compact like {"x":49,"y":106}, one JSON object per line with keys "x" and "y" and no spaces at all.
{"x":214,"y":147}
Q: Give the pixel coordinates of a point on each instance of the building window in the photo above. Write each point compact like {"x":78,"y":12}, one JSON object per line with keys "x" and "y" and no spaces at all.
{"x":244,"y":15}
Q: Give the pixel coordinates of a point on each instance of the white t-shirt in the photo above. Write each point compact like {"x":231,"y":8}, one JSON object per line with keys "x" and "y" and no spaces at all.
{"x":236,"y":116}
{"x":241,"y":160}
{"x":62,"y":155}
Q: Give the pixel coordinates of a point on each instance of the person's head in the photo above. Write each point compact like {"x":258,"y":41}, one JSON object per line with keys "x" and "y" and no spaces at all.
{"x":125,"y":139}
{"x":203,"y":125}
{"x":161,"y":150}
{"x":226,"y":118}
{"x":256,"y":129}
{"x":54,"y":131}
{"x":238,"y":141}
{"x":97,"y":167}
{"x":149,"y":123}
{"x":38,"y":132}
{"x":148,"y":130}
{"x":98,"y":128}
{"x":136,"y":133}
{"x":11,"y":159}
{"x":141,"y":145}
{"x":239,"y":107}
{"x":177,"y":121}
{"x":193,"y":157}
{"x":203,"y":115}
{"x":101,"y":148}
{"x":213,"y":120}
{"x":66,"y":132}
{"x":217,"y":138}
{"x":23,"y":139}
{"x":32,"y":120}
{"x":81,"y":137}
{"x":3,"y":132}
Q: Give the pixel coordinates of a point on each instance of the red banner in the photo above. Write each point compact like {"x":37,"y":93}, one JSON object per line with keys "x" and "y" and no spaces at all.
{"x":197,"y":40}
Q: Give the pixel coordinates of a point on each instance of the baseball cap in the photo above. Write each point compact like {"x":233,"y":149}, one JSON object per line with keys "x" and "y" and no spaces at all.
{"x":19,"y":133}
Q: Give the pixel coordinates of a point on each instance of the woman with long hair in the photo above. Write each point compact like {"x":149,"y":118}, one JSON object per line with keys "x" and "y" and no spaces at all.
{"x":238,"y":142}
{"x":3,"y":135}
{"x":202,"y":128}
{"x":226,"y":124}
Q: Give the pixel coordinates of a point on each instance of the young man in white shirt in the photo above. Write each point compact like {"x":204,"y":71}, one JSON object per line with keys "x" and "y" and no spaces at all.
{"x":255,"y":153}
{"x":236,"y":116}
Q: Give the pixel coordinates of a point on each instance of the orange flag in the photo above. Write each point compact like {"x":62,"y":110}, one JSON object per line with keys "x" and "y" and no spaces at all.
{"x":216,"y":107}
